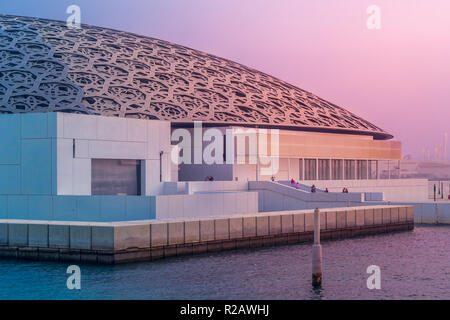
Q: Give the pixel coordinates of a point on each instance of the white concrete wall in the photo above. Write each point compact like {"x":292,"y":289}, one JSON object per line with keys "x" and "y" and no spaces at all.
{"x":430,"y":212}
{"x":247,"y":172}
{"x":393,"y":190}
{"x":275,"y":197}
{"x":442,"y":189}
{"x":206,"y":204}
{"x":216,"y":186}
{"x":192,"y":187}
{"x":99,"y":137}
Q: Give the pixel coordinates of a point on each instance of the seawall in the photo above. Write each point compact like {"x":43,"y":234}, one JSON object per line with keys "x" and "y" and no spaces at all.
{"x":120,"y":242}
{"x":430,"y":212}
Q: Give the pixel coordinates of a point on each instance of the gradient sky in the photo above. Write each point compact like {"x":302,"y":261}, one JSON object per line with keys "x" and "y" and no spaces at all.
{"x":397,"y":77}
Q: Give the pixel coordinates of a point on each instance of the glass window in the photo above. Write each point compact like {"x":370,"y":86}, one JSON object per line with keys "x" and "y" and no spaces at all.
{"x":372,"y":169}
{"x":116,"y":177}
{"x":324,"y":169}
{"x":300,"y":169}
{"x":361,"y":169}
{"x":395,"y":169}
{"x":336,"y":169}
{"x":310,"y":169}
{"x":384,"y":169}
{"x":349,"y":169}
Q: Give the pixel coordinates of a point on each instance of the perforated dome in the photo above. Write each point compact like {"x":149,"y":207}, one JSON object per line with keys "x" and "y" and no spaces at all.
{"x":46,"y":67}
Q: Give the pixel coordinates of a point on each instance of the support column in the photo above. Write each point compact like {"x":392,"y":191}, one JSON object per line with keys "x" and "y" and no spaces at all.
{"x":316,"y":252}
{"x":289,"y":168}
{"x":317,"y":169}
{"x":329,"y":170}
{"x":303,"y":169}
{"x":367,"y":169}
{"x":378,"y":172}
{"x":389,"y":169}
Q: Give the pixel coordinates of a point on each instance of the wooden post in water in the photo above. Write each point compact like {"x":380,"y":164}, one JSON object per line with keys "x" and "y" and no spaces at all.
{"x":316,"y":252}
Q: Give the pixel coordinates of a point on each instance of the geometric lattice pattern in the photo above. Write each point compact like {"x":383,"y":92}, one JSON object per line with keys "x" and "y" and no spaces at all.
{"x":44,"y":66}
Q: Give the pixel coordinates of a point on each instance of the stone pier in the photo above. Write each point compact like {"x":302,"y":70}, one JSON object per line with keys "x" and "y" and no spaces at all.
{"x":120,"y":242}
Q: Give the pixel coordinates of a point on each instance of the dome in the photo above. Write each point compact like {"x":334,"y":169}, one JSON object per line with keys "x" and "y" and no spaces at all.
{"x":47,"y":67}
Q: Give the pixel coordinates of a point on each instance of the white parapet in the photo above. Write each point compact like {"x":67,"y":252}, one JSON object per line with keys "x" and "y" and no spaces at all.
{"x":392,"y":189}
{"x":206,"y":204}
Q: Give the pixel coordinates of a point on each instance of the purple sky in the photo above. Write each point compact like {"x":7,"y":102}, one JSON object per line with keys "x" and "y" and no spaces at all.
{"x":397,"y":77}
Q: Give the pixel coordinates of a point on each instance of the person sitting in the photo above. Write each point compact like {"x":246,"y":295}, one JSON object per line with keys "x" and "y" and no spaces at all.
{"x":272,"y":178}
{"x":292,"y":182}
{"x":297,"y":186}
{"x":313,"y":189}
{"x":343,"y":190}
{"x":326,"y":190}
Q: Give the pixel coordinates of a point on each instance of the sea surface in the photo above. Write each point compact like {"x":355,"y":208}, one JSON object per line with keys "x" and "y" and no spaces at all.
{"x":414,"y":265}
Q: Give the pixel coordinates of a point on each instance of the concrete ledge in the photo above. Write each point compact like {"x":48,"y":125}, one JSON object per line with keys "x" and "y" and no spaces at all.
{"x":38,"y":235}
{"x":331,"y":220}
{"x":309,"y":221}
{"x":275,"y":224}
{"x":3,"y":234}
{"x":176,"y":232}
{"x":222,"y":229}
{"x":341,"y":219}
{"x":102,"y":238}
{"x":287,"y":223}
{"x":236,"y":228}
{"x":206,"y":230}
{"x":58,"y":236}
{"x":159,"y":234}
{"x":299,"y":222}
{"x":137,"y":236}
{"x":249,"y":226}
{"x":192,"y":231}
{"x":18,"y":234}
{"x":80,"y":237}
{"x":119,"y":242}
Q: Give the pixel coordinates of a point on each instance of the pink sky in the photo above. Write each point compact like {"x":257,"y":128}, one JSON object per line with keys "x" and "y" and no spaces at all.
{"x":397,"y":77}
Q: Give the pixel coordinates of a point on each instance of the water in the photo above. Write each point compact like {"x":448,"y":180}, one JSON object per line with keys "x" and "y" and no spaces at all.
{"x":414,"y":265}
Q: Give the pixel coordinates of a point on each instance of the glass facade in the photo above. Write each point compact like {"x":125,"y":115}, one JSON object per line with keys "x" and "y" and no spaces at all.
{"x":373,"y":169}
{"x":349,"y":169}
{"x":324,"y":169}
{"x":339,"y":169}
{"x":361,"y":169}
{"x":336,"y":169}
{"x":300,"y":169}
{"x":384,"y":169}
{"x":310,"y":169}
{"x":116,"y":177}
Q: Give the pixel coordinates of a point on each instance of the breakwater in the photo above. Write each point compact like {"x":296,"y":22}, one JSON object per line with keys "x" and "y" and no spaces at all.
{"x":120,"y":242}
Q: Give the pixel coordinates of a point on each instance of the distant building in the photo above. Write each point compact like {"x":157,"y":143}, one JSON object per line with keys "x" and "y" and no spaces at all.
{"x":431,"y":170}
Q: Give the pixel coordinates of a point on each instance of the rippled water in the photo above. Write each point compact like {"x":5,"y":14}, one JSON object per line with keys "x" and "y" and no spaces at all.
{"x":414,"y":265}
